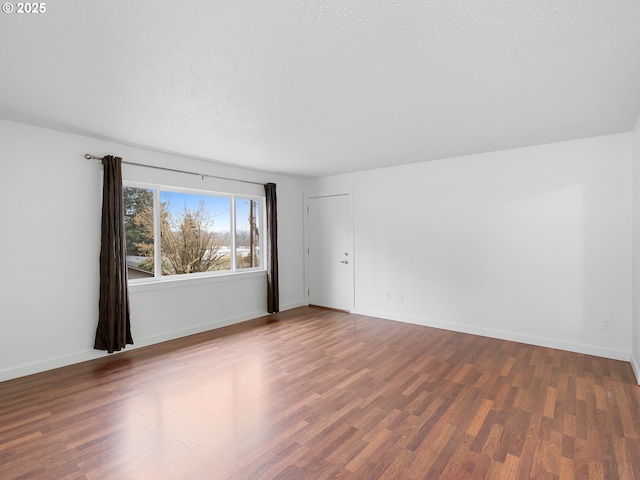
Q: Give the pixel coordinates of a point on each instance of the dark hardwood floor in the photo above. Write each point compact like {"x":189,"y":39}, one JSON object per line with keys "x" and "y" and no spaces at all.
{"x":316,"y":394}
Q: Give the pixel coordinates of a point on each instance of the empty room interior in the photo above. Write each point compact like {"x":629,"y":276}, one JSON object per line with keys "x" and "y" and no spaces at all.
{"x":362,"y":239}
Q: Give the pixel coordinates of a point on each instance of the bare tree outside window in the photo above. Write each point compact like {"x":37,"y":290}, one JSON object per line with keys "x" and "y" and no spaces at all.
{"x":189,"y":243}
{"x":194,"y":232}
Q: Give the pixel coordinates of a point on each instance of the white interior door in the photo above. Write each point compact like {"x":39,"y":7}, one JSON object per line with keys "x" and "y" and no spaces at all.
{"x":329,"y":251}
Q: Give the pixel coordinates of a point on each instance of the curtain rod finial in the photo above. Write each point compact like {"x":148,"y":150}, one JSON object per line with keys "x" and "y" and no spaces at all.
{"x":87,"y":156}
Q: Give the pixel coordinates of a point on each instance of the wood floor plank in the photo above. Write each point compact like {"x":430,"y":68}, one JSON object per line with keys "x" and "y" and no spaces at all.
{"x":312,"y":394}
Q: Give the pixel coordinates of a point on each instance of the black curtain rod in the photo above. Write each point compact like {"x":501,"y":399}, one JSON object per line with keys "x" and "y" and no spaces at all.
{"x":203,"y":175}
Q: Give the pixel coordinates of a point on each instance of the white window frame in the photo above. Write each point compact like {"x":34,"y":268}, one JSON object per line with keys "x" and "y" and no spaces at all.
{"x":158,"y":278}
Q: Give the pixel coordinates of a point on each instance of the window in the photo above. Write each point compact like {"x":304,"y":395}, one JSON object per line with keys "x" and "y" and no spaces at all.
{"x":172,"y":233}
{"x":247,"y":233}
{"x":139,"y":231}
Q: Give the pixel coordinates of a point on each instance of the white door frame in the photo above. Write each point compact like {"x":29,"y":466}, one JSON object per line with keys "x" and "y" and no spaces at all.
{"x":329,"y":193}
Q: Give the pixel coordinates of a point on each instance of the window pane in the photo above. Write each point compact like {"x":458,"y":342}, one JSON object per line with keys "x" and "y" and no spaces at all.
{"x":138,"y":226}
{"x":195,"y":233}
{"x":247,"y":233}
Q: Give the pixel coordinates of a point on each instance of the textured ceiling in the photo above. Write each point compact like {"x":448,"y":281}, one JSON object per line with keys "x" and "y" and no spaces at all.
{"x":311,"y":88}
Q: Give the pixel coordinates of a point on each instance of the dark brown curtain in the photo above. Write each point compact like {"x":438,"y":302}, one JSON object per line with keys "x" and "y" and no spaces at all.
{"x":273,"y":295}
{"x":114,"y":329}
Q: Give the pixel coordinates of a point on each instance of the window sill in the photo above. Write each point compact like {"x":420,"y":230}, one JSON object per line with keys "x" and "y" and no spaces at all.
{"x":185,"y":281}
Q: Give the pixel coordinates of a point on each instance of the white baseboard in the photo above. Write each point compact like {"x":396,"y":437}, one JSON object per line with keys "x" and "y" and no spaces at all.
{"x":636,"y":367}
{"x":292,"y":305}
{"x":49,"y":364}
{"x":502,"y":335}
{"x":79,"y":357}
{"x":63,"y":361}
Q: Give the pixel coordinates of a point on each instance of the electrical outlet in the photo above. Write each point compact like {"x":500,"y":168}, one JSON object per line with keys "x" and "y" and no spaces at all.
{"x":606,"y":324}
{"x":388,"y":294}
{"x":401,"y":297}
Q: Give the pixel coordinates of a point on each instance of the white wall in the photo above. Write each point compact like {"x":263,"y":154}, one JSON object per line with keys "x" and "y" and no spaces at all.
{"x":530,"y":244}
{"x":50,"y":202}
{"x":635,"y":359}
